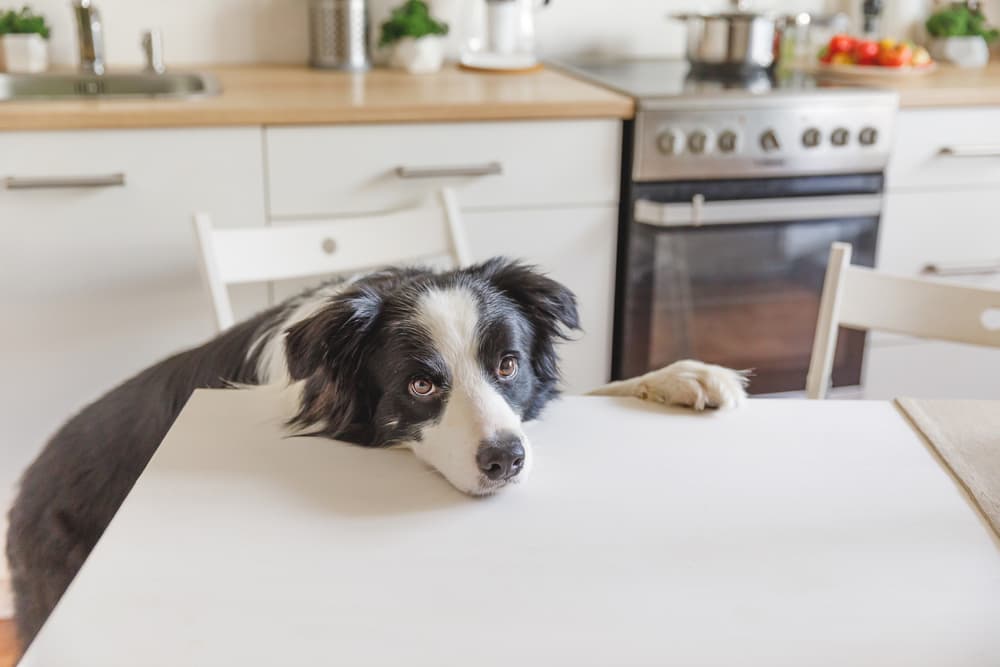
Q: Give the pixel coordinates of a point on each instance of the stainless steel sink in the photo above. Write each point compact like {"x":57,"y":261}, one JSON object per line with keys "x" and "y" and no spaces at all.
{"x":14,"y":87}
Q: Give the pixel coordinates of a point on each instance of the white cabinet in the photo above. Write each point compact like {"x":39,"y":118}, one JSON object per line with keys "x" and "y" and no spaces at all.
{"x":99,"y":282}
{"x":942,"y":210}
{"x":551,"y":199}
{"x":940,"y":148}
{"x":316,"y":171}
{"x":575,"y":246}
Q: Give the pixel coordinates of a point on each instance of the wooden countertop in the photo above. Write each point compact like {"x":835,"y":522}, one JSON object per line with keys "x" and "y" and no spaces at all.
{"x":949,"y":86}
{"x":287,"y":95}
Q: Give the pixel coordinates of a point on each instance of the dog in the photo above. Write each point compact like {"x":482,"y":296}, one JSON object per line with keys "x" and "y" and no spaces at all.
{"x":447,"y":364}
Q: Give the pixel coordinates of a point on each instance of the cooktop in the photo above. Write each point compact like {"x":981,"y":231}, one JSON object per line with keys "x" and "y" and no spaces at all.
{"x":659,"y":79}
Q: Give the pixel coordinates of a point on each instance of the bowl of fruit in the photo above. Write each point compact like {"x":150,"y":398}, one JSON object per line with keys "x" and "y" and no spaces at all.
{"x":861,"y":57}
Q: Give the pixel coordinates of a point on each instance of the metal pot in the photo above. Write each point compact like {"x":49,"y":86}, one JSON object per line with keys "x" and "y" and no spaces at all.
{"x":738,"y":40}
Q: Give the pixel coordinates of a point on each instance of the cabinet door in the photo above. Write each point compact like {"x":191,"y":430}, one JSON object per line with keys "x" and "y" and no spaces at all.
{"x":957,"y":231}
{"x":99,"y":282}
{"x":575,"y":246}
{"x":931,"y":369}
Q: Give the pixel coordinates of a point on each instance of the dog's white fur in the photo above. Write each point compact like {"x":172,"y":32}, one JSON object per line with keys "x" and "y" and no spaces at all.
{"x":475,"y":411}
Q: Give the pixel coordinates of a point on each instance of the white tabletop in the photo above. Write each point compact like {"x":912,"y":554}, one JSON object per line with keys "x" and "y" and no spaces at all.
{"x":784,"y":533}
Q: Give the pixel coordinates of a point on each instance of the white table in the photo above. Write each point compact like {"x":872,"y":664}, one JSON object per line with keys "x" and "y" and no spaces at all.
{"x":786,"y":533}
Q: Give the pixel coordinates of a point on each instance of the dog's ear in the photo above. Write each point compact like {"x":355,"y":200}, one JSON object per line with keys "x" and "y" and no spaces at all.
{"x":329,"y":352}
{"x":549,"y":306}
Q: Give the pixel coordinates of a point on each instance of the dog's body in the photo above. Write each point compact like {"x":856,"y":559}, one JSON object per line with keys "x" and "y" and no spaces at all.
{"x":446,"y":364}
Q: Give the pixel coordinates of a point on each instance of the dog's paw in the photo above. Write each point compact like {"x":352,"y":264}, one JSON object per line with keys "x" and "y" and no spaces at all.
{"x":695,"y":385}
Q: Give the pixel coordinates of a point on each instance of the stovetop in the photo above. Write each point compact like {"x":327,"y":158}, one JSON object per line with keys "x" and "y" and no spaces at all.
{"x":766,"y":124}
{"x":648,"y":80}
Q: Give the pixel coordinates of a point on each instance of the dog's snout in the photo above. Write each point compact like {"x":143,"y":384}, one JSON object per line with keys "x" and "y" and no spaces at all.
{"x":501,"y":458}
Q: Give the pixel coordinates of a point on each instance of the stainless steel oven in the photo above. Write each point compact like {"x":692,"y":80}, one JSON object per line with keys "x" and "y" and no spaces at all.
{"x":731,"y":272}
{"x":732,"y":192}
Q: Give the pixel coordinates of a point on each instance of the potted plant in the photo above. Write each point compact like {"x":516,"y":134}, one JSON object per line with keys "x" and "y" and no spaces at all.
{"x":24,"y":44}
{"x":961,"y":35}
{"x":416,"y":37}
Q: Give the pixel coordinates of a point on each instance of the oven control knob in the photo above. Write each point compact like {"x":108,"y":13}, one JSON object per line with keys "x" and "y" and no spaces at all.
{"x":868,"y":136}
{"x":670,"y":142}
{"x":697,"y":142}
{"x":727,"y":141}
{"x":839,"y":137}
{"x":811,"y":138}
{"x":769,"y":141}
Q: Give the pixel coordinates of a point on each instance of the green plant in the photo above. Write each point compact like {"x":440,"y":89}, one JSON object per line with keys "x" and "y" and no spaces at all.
{"x":411,"y":19}
{"x":23,"y":22}
{"x":958,"y":20}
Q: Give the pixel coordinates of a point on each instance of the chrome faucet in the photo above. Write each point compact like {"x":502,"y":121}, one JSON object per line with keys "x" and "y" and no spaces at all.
{"x":91,"y":35}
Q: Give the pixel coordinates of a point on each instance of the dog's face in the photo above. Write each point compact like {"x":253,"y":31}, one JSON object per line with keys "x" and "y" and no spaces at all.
{"x":448,"y":365}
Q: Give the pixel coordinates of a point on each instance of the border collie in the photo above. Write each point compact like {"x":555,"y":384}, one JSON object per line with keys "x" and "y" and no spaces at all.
{"x":446,"y":364}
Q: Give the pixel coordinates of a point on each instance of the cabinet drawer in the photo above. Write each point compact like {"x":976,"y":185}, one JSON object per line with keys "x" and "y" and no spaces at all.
{"x":315,"y":171}
{"x":931,"y":369}
{"x":946,"y":147}
{"x":958,"y":232}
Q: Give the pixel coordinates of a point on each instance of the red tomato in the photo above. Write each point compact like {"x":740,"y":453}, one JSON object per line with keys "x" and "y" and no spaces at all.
{"x":866,"y":53}
{"x":841,"y":44}
{"x":898,"y":56}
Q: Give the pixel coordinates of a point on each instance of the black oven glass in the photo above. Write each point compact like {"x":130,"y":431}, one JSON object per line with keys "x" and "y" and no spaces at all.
{"x":743,"y":295}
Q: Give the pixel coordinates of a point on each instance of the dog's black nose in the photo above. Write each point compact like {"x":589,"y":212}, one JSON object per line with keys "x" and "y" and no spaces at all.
{"x":501,"y":458}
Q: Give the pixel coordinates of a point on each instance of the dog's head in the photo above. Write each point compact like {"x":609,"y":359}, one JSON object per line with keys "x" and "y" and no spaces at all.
{"x":446,"y":364}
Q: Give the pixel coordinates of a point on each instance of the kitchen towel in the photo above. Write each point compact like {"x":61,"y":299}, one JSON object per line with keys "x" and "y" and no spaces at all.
{"x":966,"y":434}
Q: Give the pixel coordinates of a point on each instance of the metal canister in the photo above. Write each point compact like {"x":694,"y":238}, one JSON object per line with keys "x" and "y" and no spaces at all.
{"x":338,"y":35}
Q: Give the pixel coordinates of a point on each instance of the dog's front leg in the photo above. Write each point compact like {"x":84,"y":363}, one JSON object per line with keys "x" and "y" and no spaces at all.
{"x":688,"y":383}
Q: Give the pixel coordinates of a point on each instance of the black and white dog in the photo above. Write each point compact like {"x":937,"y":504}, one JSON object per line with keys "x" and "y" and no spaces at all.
{"x":446,"y":364}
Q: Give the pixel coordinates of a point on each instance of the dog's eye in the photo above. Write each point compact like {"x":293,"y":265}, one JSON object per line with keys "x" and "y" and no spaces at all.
{"x":422,"y":387}
{"x":507,"y":368}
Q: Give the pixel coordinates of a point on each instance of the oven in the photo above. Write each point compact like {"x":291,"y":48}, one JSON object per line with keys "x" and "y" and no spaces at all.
{"x":730,"y":271}
{"x":732,"y":191}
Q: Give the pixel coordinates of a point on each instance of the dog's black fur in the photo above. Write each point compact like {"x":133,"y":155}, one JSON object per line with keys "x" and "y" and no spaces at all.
{"x":350,"y":356}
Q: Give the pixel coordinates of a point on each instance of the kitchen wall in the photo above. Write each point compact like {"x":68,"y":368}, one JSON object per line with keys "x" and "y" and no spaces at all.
{"x":240,"y":31}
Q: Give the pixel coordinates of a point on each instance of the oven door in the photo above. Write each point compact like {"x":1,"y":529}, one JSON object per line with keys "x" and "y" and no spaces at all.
{"x":737,"y":282}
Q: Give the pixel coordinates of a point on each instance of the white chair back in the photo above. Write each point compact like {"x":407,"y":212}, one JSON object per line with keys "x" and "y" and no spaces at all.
{"x":320,"y":247}
{"x":861,"y":298}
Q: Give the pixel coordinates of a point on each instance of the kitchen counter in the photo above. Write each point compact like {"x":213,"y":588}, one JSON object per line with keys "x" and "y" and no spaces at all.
{"x":949,"y":86}
{"x":287,"y":95}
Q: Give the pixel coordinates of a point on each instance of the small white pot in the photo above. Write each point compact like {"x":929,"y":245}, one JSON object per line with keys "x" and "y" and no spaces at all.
{"x":961,"y":51}
{"x":419,"y":56}
{"x":24,"y":54}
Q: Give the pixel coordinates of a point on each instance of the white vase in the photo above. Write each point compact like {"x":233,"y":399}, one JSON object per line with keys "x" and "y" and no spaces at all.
{"x":24,"y":54}
{"x":961,"y":51}
{"x":419,"y":56}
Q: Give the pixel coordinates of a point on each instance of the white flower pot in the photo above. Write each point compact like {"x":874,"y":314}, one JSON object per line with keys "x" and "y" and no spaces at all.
{"x":24,"y":54}
{"x":419,"y":56}
{"x":961,"y":51}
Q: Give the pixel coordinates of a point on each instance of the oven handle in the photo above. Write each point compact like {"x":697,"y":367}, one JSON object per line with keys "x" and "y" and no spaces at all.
{"x":749,"y":211}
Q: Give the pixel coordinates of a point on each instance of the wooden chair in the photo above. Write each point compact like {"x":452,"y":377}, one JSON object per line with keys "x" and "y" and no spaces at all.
{"x":860,"y":298}
{"x":320,"y":247}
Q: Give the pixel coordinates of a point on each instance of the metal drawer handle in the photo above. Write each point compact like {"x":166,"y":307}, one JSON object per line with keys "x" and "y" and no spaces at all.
{"x":945,"y":269}
{"x":61,"y":182}
{"x":985,"y":150}
{"x":488,"y":169}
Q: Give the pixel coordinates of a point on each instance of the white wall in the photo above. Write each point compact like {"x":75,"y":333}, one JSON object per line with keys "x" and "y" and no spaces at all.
{"x":241,"y":31}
